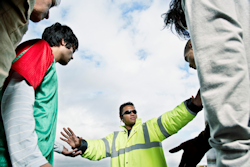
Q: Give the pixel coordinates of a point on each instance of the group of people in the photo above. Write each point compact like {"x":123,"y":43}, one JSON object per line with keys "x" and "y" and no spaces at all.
{"x":28,"y":83}
{"x":217,"y":49}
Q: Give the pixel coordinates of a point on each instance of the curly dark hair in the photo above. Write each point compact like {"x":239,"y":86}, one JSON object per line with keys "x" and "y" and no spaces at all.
{"x":55,"y":33}
{"x":174,"y":15}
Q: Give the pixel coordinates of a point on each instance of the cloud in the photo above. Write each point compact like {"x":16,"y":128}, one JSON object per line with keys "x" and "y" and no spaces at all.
{"x":124,"y":55}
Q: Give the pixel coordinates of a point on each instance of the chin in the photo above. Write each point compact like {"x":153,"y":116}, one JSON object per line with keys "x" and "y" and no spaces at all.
{"x":35,"y":17}
{"x":35,"y":20}
{"x":63,"y":63}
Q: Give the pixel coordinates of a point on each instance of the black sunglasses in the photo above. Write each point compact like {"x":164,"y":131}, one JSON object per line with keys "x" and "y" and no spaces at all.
{"x":129,"y":112}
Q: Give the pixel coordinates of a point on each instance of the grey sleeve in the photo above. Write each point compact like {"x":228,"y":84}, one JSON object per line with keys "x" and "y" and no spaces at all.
{"x":58,"y":147}
{"x":19,"y":123}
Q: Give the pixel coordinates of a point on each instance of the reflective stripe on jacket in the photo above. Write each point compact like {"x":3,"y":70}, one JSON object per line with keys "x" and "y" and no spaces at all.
{"x":143,"y":146}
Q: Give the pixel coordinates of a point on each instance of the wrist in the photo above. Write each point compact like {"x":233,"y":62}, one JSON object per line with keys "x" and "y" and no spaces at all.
{"x":83,"y":147}
{"x":196,"y":102}
{"x":192,"y":107}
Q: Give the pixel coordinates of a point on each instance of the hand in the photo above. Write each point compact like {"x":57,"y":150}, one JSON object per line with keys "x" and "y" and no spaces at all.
{"x":72,"y":153}
{"x":197,"y":99}
{"x":46,"y":165}
{"x":191,"y":155}
{"x":71,"y":138}
{"x":194,"y":149}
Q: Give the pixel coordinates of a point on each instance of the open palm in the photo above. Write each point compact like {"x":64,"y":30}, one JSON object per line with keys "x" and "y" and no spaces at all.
{"x":71,"y":138}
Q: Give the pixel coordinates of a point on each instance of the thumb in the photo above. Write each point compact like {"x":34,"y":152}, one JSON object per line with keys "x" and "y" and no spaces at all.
{"x":176,"y":149}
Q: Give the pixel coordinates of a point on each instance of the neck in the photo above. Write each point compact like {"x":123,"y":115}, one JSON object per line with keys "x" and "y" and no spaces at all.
{"x":55,"y":51}
{"x":129,"y":127}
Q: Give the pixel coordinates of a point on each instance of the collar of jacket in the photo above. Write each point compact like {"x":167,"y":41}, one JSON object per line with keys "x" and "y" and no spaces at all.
{"x":137,"y":123}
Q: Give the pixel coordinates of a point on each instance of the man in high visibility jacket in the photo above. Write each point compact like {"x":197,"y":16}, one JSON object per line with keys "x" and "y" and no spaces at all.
{"x":137,"y":145}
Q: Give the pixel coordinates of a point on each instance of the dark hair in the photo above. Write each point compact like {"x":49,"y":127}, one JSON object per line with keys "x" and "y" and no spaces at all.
{"x":123,"y":105}
{"x":174,"y":15}
{"x":55,"y":33}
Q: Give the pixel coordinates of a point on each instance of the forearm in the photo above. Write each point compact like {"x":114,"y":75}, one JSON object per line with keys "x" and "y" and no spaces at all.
{"x":19,"y":123}
{"x":95,"y":150}
{"x":177,"y":118}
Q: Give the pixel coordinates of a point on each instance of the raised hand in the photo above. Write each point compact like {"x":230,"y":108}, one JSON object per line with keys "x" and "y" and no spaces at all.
{"x":71,"y":138}
{"x":197,"y":99}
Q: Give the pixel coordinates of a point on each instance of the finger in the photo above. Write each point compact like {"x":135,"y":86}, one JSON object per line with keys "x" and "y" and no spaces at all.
{"x":64,"y":140}
{"x":77,"y":153}
{"x":71,"y":132}
{"x":70,"y":152}
{"x":176,"y":149}
{"x":65,"y":135}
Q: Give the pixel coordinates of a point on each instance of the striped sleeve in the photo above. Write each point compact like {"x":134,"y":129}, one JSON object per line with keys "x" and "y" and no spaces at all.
{"x":171,"y":122}
{"x":19,"y":123}
{"x":99,"y":149}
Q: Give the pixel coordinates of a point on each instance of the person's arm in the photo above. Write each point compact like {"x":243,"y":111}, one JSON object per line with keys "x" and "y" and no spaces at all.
{"x":219,"y":33}
{"x":19,"y":123}
{"x":61,"y":149}
{"x":91,"y":149}
{"x":172,"y":121}
{"x":58,"y":147}
{"x":194,"y":149}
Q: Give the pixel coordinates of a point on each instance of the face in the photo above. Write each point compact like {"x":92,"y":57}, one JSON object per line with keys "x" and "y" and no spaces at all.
{"x":129,"y":119}
{"x":65,"y":55}
{"x":41,"y":10}
{"x":189,"y":57}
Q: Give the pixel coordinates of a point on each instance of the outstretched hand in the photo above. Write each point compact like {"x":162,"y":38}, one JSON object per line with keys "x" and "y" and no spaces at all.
{"x":72,"y":153}
{"x":192,"y":154}
{"x":71,"y":138}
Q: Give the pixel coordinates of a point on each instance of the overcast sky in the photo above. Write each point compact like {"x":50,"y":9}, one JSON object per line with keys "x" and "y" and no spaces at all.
{"x":124,"y":55}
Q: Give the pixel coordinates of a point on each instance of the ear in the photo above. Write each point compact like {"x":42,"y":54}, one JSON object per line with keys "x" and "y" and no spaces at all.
{"x":63,"y":43}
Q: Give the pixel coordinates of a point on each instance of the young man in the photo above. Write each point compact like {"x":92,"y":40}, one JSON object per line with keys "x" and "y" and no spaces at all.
{"x":29,"y":103}
{"x":138,"y":144}
{"x":220,"y":36}
{"x":14,"y":20}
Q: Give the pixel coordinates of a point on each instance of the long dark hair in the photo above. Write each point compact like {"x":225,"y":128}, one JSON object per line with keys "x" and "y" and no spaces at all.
{"x":174,"y":15}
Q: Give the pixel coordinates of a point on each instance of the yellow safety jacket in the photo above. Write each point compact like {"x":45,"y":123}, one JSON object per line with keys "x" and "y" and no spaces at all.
{"x":142,"y":148}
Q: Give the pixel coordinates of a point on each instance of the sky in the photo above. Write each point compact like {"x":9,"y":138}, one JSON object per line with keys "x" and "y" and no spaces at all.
{"x":124,"y":54}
